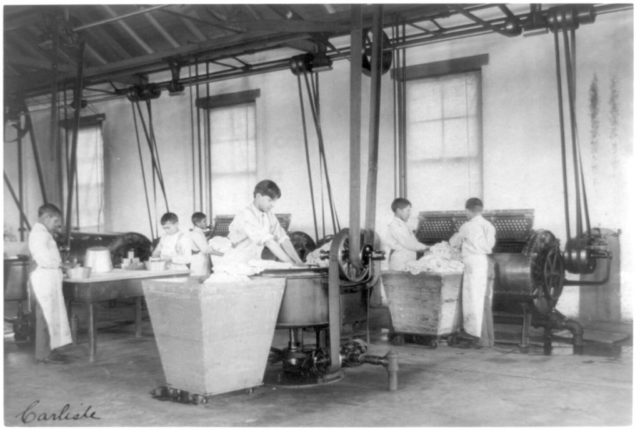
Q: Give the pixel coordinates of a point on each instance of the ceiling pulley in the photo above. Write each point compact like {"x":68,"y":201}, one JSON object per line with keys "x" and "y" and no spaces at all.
{"x":367,"y":47}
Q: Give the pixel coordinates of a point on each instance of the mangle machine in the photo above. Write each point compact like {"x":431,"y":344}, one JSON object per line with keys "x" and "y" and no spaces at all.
{"x":529,"y":268}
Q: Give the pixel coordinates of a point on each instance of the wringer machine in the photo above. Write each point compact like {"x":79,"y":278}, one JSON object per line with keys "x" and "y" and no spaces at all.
{"x":529,"y":268}
{"x":324,"y":300}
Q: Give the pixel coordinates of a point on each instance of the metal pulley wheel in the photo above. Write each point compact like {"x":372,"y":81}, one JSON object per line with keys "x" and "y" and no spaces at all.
{"x":387,"y":55}
{"x":368,"y":271}
{"x":547,"y":270}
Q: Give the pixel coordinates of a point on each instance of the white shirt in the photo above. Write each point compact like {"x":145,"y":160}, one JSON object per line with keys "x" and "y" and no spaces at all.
{"x":43,"y":247}
{"x":400,"y":236}
{"x":251,"y":229}
{"x":177,"y":247}
{"x":198,"y":240}
{"x":477,"y":236}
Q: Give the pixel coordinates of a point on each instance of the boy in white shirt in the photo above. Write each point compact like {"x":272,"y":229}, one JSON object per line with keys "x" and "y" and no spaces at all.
{"x":174,"y":245}
{"x":476,"y":239}
{"x":401,"y":240}
{"x":256,"y":227}
{"x":52,"y":324}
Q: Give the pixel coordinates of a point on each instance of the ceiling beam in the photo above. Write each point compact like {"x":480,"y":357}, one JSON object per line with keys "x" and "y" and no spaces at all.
{"x":129,"y":31}
{"x":101,"y":34}
{"x":115,"y":17}
{"x":95,"y":54}
{"x":19,"y":60}
{"x":291,"y":26}
{"x":165,"y":34}
{"x":217,"y":49}
{"x":193,"y":29}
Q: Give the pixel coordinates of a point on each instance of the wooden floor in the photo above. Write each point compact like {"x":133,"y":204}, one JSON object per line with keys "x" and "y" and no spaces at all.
{"x":445,"y":386}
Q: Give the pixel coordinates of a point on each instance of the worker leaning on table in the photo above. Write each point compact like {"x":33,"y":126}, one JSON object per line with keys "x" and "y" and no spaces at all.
{"x":476,"y":239}
{"x":256,"y":227}
{"x":45,"y":281}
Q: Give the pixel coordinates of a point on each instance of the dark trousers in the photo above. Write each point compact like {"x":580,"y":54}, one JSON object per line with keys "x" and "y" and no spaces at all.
{"x":43,"y":347}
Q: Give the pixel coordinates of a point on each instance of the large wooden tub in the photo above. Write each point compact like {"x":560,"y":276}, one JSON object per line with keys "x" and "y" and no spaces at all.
{"x":213,"y":338}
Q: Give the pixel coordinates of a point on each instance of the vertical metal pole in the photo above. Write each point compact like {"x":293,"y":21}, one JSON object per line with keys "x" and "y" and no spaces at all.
{"x":54,"y":132}
{"x":208,"y":153}
{"x":77,"y":97}
{"x":20,"y":178}
{"x":374,"y":120}
{"x":335,"y":317}
{"x":34,"y":148}
{"x":355,"y":120}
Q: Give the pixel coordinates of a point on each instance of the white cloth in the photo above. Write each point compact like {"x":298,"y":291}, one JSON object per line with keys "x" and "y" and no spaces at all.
{"x":198,"y":240}
{"x":250,"y":230}
{"x":176,"y":248}
{"x":476,"y":239}
{"x":474,"y":289}
{"x":46,"y":284}
{"x":402,"y":243}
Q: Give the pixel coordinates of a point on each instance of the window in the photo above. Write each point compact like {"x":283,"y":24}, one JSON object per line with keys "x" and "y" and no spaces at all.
{"x":88,"y":195}
{"x":233,"y":155}
{"x":444,"y":157}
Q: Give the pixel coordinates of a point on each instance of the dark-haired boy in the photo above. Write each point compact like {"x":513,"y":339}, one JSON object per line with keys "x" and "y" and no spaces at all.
{"x":401,"y":240}
{"x":174,"y":245}
{"x":52,"y":325}
{"x":476,"y":239}
{"x":256,"y":227}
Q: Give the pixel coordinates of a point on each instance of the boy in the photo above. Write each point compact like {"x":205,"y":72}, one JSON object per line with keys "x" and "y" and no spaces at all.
{"x":174,"y":245}
{"x":476,"y":239}
{"x":402,"y":241}
{"x":200,"y":249}
{"x":256,"y":227}
{"x":52,"y":325}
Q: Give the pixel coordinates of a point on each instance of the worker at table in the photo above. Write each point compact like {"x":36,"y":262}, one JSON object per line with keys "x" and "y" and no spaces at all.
{"x":200,"y":249}
{"x":174,"y":245}
{"x":476,"y":239}
{"x":52,"y":325}
{"x":402,"y":243}
{"x":256,"y":227}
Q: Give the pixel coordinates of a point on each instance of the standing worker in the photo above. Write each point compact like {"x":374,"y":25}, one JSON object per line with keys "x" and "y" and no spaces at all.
{"x":52,"y":325}
{"x":256,"y":227}
{"x":476,"y":239}
{"x":403,"y":244}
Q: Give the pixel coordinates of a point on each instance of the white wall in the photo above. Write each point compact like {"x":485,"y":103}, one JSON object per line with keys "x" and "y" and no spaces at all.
{"x":522,"y":165}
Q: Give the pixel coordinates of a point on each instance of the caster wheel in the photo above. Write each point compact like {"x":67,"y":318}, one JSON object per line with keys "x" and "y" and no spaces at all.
{"x":397,"y":339}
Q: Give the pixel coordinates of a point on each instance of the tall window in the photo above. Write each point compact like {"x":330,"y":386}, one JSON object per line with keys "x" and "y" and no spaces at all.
{"x":88,"y":195}
{"x":233,"y":155}
{"x":444,"y":157}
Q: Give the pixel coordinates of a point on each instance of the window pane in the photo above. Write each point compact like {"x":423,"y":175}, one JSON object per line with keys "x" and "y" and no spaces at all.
{"x":425,"y":100}
{"x":88,"y":202}
{"x":459,"y":140}
{"x":233,"y":156}
{"x":424,"y":140}
{"x":443,"y":163}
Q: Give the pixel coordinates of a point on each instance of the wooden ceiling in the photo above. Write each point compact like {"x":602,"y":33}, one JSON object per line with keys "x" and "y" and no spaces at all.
{"x":123,"y":43}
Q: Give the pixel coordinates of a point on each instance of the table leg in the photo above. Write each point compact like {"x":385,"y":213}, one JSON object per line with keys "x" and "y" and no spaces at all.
{"x":138,"y":317}
{"x":92,"y":334}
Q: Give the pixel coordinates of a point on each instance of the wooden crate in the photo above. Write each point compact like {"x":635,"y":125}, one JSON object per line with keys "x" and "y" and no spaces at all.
{"x":423,"y":304}
{"x":213,"y":338}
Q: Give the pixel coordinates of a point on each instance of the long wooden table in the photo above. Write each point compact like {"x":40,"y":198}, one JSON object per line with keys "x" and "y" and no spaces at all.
{"x":117,"y":284}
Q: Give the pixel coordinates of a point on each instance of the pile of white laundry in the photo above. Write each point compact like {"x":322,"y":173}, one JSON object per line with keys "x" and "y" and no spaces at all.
{"x":441,"y":258}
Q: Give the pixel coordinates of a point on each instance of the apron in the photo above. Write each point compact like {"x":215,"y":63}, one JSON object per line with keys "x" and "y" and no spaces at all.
{"x":200,"y":264}
{"x":474,"y":287}
{"x":46,"y":285}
